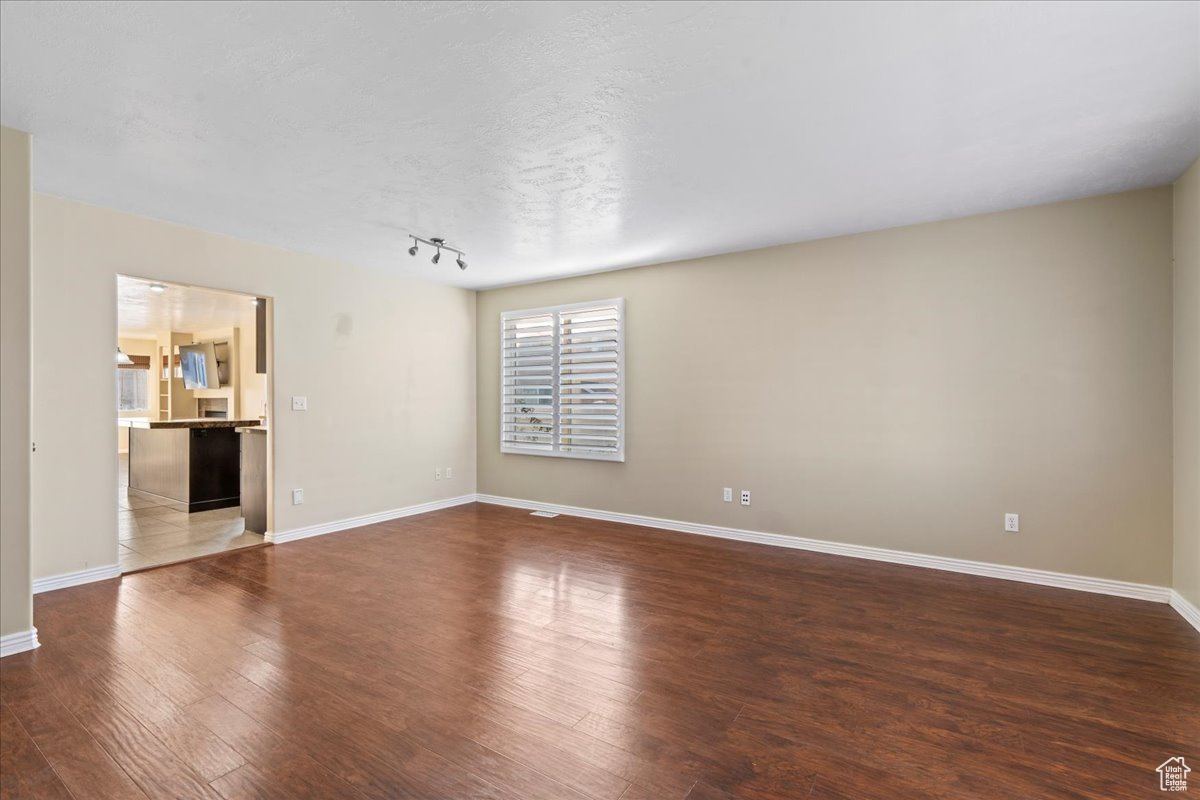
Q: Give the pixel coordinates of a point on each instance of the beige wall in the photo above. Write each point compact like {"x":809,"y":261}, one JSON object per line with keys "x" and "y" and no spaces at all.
{"x":16,"y":608}
{"x":387,"y":364}
{"x":900,"y":389}
{"x":1186,"y":232}
{"x":139,"y":347}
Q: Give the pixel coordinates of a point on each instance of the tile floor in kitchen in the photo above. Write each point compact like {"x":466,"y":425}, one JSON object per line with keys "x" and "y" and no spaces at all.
{"x":153,"y":531}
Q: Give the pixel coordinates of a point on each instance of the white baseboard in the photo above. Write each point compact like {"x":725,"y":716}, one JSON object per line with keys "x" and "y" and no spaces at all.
{"x":76,"y":578}
{"x":27,"y":640}
{"x":13,"y":643}
{"x":367,"y":519}
{"x":1138,"y":591}
{"x":1185,"y":609}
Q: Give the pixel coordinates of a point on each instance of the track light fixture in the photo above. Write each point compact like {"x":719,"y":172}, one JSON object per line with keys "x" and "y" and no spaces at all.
{"x":440,"y":245}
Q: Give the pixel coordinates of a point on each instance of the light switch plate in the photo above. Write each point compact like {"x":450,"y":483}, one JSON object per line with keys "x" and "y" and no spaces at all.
{"x":297,"y":496}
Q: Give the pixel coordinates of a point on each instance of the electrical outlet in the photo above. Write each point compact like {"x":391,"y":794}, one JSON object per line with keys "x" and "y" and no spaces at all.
{"x":437,"y":474}
{"x":297,"y":496}
{"x":1012,"y":523}
{"x":727,"y":495}
{"x":745,"y":497}
{"x":449,"y":473}
{"x":299,"y":403}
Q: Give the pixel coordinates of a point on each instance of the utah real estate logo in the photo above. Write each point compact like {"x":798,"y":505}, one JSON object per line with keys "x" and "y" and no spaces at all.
{"x":1172,"y":775}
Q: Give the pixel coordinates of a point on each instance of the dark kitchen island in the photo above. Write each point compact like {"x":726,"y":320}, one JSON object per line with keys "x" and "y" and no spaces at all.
{"x":194,"y":462}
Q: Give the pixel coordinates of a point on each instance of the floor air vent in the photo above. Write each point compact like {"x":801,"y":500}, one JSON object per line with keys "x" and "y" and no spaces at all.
{"x":547,"y":514}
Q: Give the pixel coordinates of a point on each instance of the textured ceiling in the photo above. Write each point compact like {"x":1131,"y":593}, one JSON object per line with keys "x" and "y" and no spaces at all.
{"x":548,"y":139}
{"x":185,"y":309}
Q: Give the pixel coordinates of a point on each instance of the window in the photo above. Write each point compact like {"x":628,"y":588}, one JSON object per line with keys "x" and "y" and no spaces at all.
{"x":133,"y":385}
{"x":562,"y":391}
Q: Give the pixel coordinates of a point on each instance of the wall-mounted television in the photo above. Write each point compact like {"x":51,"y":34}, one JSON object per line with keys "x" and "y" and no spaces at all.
{"x":199,"y":366}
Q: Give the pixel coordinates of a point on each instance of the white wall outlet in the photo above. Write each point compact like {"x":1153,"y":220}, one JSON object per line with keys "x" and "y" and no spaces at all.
{"x":745,"y":497}
{"x":299,"y":402}
{"x":727,"y":495}
{"x":449,"y":473}
{"x":437,"y":474}
{"x":297,"y":496}
{"x":1012,"y":523}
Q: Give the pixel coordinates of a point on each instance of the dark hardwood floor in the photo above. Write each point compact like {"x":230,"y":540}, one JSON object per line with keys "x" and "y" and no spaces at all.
{"x":479,"y":652}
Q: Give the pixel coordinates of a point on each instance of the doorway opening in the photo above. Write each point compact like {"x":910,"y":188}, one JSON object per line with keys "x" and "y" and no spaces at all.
{"x":193,"y":402}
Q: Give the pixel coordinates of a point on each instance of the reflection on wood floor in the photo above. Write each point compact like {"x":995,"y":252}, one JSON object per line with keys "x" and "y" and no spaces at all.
{"x":154,"y":530}
{"x":480,"y":652}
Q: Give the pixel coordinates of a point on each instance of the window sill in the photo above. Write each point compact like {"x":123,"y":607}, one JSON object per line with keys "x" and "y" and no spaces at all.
{"x":520,"y":451}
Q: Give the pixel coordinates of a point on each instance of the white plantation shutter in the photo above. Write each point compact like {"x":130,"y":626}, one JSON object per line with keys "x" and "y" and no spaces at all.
{"x":562,"y":388}
{"x":527,"y":391}
{"x":589,"y":379}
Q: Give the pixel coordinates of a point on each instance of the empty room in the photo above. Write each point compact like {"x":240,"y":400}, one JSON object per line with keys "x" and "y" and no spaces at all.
{"x":600,"y":400}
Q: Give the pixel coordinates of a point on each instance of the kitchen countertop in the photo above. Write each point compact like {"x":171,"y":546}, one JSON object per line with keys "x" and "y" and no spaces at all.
{"x":260,"y":428}
{"x":154,"y":424}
